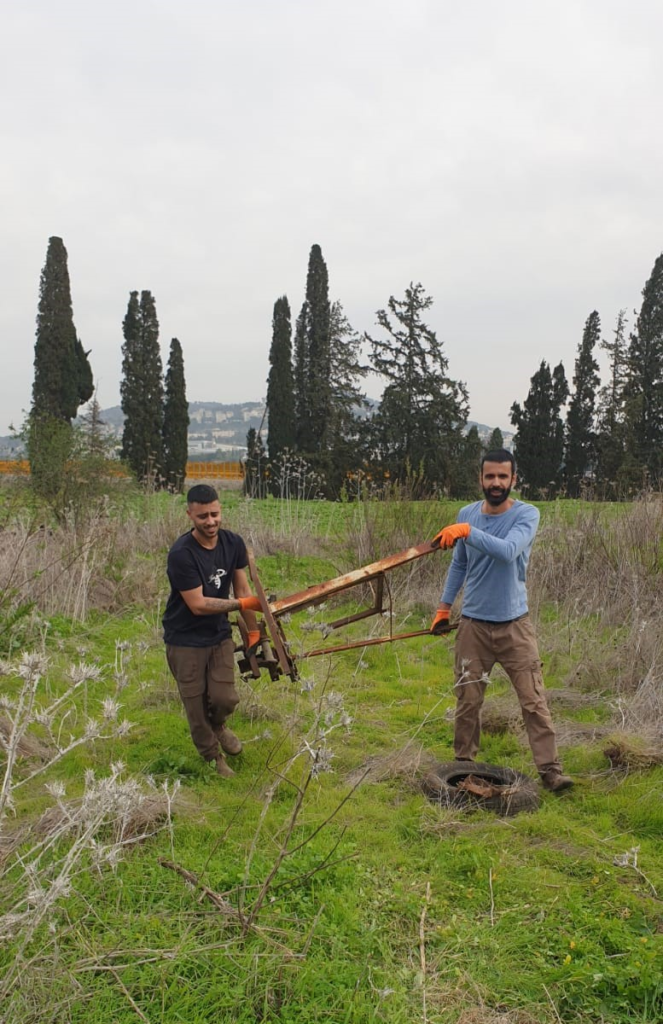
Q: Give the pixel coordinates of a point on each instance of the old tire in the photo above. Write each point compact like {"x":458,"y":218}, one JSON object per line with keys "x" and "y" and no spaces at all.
{"x":518,"y":793}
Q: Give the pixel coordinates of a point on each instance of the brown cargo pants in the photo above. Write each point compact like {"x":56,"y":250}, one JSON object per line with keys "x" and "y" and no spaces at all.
{"x":205,"y":678}
{"x":479,"y":645}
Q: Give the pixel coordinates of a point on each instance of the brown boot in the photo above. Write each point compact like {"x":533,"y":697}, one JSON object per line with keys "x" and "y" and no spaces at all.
{"x":230,"y":744}
{"x":222,"y":767}
{"x":556,"y":781}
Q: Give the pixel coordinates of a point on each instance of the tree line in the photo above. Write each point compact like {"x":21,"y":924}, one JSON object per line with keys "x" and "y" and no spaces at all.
{"x":320,"y":423}
{"x":610,"y":445}
{"x":323,"y":435}
{"x":154,"y":440}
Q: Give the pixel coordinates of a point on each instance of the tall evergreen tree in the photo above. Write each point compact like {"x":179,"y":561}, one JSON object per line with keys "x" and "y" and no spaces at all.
{"x":644,"y":410}
{"x":312,"y":361}
{"x":539,"y":442}
{"x":611,"y":432}
{"x":580,"y":454}
{"x":301,"y":381}
{"x":63,"y":376}
{"x":141,"y":388}
{"x":496,"y":441}
{"x":465,"y":483}
{"x":423,"y":411}
{"x":175,"y":421}
{"x":255,"y":465}
{"x":345,"y":431}
{"x":280,"y":383}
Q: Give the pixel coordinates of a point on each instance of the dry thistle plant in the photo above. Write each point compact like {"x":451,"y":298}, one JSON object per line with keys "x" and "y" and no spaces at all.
{"x":52,"y":716}
{"x":91,"y":831}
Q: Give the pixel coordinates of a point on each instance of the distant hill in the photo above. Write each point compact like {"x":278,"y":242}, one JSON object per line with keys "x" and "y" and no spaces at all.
{"x":217,"y":430}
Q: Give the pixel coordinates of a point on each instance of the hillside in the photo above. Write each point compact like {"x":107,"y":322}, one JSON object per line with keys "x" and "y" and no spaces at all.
{"x":217,"y":430}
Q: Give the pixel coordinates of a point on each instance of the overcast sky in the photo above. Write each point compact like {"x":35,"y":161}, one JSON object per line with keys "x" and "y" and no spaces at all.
{"x":509,"y":156}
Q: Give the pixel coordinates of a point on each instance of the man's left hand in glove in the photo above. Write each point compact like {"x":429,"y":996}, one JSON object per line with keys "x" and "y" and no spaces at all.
{"x":440,"y":623}
{"x":447,"y":537}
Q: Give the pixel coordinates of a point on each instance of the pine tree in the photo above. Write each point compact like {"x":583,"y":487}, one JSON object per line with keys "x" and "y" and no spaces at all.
{"x":423,"y":411}
{"x":345,"y":431}
{"x":580,"y":454}
{"x":644,"y":410}
{"x":141,"y":389}
{"x":611,"y":431}
{"x":95,"y":441}
{"x":280,"y":383}
{"x":312,"y":362}
{"x":539,"y":442}
{"x":255,"y":465}
{"x":175,"y":421}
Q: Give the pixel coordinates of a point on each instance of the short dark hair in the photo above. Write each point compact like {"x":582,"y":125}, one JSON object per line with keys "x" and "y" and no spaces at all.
{"x":201,"y":494}
{"x":499,"y":455}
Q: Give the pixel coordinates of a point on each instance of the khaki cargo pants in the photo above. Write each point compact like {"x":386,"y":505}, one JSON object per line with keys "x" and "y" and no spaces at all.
{"x":205,"y":678}
{"x":479,"y":645}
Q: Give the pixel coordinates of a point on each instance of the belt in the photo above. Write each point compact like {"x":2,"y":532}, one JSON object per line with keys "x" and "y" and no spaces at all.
{"x":494,"y":622}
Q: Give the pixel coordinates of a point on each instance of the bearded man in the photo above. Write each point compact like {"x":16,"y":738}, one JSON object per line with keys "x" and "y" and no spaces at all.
{"x":492,"y":541}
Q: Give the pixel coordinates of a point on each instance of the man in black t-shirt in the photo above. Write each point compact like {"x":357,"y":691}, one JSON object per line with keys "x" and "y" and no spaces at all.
{"x":203,"y":564}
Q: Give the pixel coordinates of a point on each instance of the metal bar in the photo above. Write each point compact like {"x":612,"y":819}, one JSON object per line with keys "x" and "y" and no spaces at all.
{"x":373,"y":642}
{"x":375,"y":609}
{"x":279,"y":642}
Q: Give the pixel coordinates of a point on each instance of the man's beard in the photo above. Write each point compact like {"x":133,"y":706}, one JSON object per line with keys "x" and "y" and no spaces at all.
{"x":496,"y":495}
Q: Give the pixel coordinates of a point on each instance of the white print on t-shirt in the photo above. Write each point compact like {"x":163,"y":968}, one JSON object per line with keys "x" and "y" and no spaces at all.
{"x":216,"y":578}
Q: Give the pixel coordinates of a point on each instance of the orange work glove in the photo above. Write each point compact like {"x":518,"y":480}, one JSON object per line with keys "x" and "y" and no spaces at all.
{"x":440,"y":623}
{"x":252,"y":640}
{"x":447,"y":537}
{"x":249,"y":604}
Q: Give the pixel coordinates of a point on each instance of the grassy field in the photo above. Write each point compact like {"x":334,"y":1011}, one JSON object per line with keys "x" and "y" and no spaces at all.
{"x":320,"y":885}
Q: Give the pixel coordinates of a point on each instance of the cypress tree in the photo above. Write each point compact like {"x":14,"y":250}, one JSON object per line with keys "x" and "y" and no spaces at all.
{"x":312,"y":362}
{"x":301,"y":381}
{"x":319,"y":366}
{"x":580,"y":455}
{"x":644,"y":409}
{"x":423,"y":411}
{"x":63,"y":376}
{"x":175,"y":421}
{"x":280,"y":383}
{"x":465,"y":479}
{"x":496,"y":441}
{"x":141,"y":388}
{"x":539,"y":442}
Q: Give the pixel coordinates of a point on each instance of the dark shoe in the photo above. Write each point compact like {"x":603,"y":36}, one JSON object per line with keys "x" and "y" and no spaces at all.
{"x":222,"y":767}
{"x":230,"y":744}
{"x":470,"y":760}
{"x":555,"y":781}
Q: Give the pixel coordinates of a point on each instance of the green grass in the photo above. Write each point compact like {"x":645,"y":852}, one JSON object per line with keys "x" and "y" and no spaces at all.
{"x":530,"y":913}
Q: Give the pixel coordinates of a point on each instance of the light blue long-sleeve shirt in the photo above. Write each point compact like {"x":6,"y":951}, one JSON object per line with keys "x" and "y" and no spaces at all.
{"x":492,"y":562}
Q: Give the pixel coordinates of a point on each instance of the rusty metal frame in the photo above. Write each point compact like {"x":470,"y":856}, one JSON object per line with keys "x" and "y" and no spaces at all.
{"x":374,"y":574}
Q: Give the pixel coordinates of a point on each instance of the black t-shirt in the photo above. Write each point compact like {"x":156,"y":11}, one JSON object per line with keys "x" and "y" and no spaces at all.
{"x":190,"y":565}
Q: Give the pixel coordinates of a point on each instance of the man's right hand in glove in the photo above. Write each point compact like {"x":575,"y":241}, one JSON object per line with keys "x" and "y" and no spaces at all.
{"x":440,"y":623}
{"x":249,"y":604}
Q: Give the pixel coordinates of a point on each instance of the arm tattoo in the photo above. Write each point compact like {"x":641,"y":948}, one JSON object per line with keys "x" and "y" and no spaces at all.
{"x":217,"y":605}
